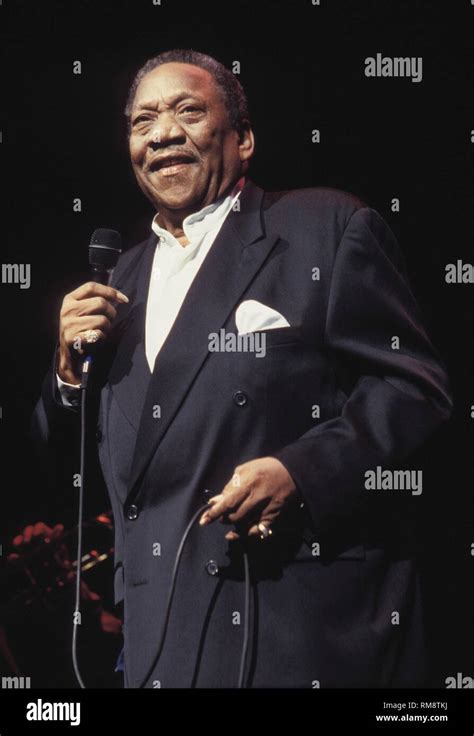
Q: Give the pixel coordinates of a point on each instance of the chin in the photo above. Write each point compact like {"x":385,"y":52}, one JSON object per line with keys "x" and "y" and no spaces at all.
{"x":176,"y":200}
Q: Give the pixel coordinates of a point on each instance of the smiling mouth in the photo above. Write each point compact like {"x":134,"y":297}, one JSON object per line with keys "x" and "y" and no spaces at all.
{"x":170,"y":165}
{"x":171,"y":170}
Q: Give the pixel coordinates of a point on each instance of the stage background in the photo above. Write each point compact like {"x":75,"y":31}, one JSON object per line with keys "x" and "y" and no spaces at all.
{"x":302,"y":65}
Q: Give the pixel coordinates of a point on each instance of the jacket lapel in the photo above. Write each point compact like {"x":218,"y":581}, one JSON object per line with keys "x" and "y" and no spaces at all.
{"x":239,"y":251}
{"x":130,"y":374}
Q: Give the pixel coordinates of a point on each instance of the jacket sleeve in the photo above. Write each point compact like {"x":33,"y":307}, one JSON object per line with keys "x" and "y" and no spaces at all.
{"x":398,"y":393}
{"x":53,"y":423}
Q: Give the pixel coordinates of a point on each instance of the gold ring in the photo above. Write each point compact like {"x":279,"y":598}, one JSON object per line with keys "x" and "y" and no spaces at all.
{"x":265,"y":532}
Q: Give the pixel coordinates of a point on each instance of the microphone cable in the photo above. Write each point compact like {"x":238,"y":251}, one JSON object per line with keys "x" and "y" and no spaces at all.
{"x":77,"y":606}
{"x":174,"y":575}
{"x":105,"y":248}
{"x":80,"y":514}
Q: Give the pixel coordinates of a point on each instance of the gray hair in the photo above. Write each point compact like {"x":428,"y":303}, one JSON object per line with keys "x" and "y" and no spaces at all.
{"x":232,"y":91}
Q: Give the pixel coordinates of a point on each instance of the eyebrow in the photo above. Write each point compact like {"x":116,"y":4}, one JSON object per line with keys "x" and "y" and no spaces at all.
{"x":149,"y":104}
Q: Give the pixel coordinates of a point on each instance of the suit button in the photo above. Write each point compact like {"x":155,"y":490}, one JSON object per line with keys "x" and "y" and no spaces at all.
{"x":132,"y":512}
{"x":212,"y":568}
{"x":240,"y":398}
{"x":98,"y":433}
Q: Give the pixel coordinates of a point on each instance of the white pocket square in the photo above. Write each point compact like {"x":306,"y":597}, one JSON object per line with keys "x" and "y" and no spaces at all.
{"x":251,"y":316}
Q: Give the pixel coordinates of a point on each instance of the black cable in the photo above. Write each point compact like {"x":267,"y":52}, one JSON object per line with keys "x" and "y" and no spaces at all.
{"x":174,"y":575}
{"x":245,"y":645}
{"x":80,"y":514}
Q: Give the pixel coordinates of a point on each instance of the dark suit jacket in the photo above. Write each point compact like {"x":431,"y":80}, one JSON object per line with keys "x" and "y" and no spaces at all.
{"x":168,"y":439}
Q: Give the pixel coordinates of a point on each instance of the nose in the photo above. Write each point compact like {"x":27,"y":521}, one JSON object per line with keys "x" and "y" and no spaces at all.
{"x":165,"y":131}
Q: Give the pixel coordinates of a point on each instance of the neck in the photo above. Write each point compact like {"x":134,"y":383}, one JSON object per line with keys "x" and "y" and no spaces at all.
{"x":172,"y":220}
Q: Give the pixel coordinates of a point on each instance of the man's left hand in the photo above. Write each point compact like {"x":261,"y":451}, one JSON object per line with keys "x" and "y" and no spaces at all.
{"x":256,"y":494}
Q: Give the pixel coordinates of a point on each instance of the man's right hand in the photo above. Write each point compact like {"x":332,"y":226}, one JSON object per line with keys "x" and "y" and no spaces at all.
{"x":89,"y":307}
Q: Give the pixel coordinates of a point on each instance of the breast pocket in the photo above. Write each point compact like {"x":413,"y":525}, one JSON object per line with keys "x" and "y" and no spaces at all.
{"x":281,"y":336}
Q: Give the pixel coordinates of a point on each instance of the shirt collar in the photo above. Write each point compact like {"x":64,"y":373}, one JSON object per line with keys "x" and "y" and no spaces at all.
{"x":200,"y":223}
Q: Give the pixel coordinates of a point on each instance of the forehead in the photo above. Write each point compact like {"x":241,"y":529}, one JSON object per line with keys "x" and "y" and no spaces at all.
{"x":173,"y":80}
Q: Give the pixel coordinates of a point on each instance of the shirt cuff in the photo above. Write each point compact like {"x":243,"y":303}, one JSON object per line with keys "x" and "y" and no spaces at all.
{"x":69,"y":392}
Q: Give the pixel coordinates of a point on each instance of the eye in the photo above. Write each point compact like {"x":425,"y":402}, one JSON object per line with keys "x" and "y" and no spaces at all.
{"x":140,"y":119}
{"x":190,"y":108}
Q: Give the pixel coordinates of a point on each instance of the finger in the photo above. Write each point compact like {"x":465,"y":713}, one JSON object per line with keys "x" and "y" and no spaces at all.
{"x":250,"y":507}
{"x":232,"y":536}
{"x":205,"y":518}
{"x":254,"y":531}
{"x":80,"y":339}
{"x":91,"y":288}
{"x":222,"y":504}
{"x":218,"y":502}
{"x":95,"y":305}
{"x":87,"y":322}
{"x":18,"y":540}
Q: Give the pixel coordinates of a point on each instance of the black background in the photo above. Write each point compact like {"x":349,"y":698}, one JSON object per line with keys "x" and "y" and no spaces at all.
{"x":303,"y":68}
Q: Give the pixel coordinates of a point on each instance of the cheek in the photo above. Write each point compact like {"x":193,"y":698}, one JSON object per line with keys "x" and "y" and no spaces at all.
{"x":136,"y":150}
{"x":225,"y":145}
{"x":209,"y":141}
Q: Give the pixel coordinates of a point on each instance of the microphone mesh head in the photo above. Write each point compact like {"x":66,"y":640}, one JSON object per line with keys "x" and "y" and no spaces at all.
{"x":105,"y":248}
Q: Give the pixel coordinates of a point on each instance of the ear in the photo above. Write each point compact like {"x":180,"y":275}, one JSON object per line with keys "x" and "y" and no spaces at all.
{"x":246,"y":141}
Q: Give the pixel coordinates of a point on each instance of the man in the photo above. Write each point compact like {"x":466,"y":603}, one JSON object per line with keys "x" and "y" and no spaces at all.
{"x":262,"y":352}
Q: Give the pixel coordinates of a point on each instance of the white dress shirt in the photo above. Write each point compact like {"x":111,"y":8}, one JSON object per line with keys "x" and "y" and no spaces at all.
{"x":173,"y":270}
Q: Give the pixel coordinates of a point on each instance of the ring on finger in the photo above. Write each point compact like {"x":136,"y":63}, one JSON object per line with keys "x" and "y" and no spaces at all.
{"x":265,"y":532}
{"x":91,"y":336}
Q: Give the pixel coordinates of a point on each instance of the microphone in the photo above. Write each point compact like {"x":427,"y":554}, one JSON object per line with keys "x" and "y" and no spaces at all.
{"x":105,"y":248}
{"x":104,"y":251}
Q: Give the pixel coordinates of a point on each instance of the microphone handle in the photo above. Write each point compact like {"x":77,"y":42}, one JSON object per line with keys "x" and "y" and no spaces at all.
{"x":101,"y":275}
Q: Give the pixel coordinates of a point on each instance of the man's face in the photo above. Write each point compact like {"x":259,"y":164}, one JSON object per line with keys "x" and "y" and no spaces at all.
{"x":184,"y":152}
